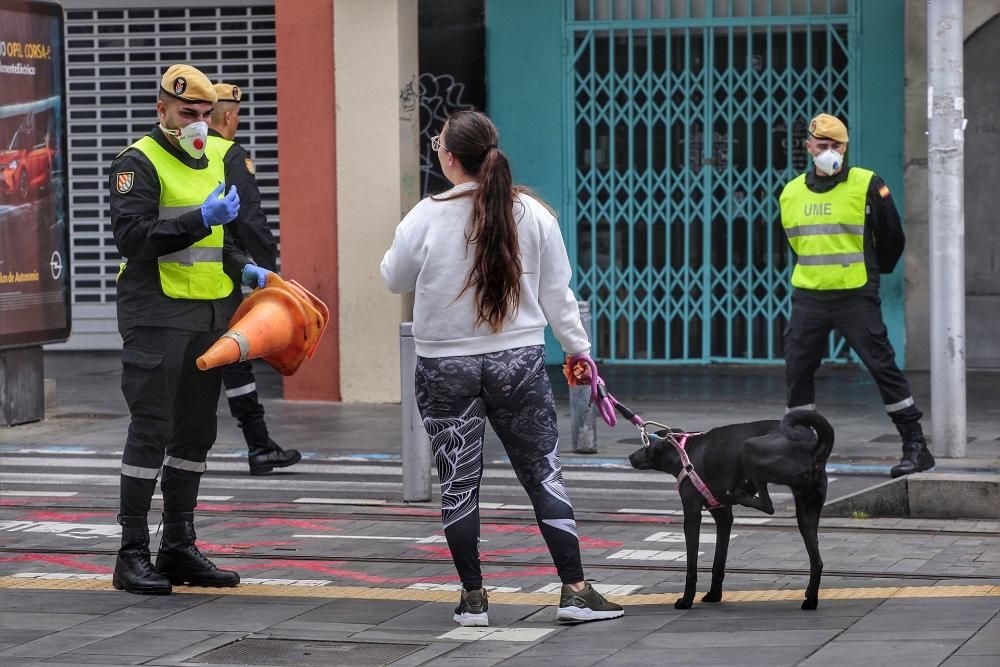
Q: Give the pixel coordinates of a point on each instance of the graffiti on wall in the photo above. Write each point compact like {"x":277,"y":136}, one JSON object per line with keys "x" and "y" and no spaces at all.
{"x":440,"y":95}
{"x":409,"y":98}
{"x":452,"y":74}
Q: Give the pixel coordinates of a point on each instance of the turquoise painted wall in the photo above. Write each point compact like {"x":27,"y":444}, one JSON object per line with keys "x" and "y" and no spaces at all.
{"x":524,"y":84}
{"x":881,"y":132}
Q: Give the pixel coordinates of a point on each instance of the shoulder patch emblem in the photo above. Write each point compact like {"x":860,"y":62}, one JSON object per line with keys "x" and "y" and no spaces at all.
{"x":884,"y":191}
{"x":250,"y":166}
{"x":125,"y":180}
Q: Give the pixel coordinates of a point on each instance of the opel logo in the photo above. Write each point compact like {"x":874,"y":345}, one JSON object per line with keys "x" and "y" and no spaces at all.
{"x":55,"y":265}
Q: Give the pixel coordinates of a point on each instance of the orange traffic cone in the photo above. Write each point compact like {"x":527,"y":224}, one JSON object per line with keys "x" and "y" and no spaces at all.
{"x":281,"y":324}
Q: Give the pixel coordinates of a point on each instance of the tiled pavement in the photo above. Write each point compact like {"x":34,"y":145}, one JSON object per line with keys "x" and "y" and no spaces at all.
{"x":895,"y":592}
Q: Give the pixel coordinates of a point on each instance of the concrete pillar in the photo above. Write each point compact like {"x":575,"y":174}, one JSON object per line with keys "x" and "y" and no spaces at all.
{"x":375,"y":49}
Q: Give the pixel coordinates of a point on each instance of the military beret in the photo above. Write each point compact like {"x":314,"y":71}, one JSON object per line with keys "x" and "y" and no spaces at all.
{"x":187,"y":83}
{"x":228,"y":92}
{"x":825,"y":126}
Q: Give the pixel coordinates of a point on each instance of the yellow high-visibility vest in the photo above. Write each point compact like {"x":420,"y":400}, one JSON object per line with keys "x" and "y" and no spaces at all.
{"x":196,"y":271}
{"x":216,"y":148}
{"x":827,"y":232}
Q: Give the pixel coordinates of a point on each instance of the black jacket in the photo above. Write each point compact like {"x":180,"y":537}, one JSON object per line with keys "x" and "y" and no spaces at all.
{"x":141,"y":237}
{"x":250,"y":230}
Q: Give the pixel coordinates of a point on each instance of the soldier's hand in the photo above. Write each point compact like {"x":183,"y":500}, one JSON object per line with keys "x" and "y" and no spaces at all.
{"x":219,"y":210}
{"x":255,"y":276}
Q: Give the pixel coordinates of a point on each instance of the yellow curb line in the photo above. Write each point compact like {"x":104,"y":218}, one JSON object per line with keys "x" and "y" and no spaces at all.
{"x":541,"y":599}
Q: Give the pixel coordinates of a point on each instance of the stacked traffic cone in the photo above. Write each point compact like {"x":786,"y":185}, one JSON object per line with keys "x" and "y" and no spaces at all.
{"x":280,"y":323}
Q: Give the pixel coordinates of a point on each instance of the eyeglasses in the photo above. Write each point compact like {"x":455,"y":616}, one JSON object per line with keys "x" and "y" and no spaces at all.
{"x":436,"y":144}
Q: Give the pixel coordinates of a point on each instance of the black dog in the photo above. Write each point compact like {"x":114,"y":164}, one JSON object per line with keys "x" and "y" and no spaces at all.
{"x":737,"y":462}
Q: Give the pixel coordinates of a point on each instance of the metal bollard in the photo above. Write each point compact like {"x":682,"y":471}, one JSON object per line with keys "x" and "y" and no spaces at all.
{"x":416,"y":445}
{"x":582,"y":412}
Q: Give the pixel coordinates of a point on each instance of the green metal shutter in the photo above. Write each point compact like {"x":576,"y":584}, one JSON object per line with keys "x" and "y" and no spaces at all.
{"x":684,"y":120}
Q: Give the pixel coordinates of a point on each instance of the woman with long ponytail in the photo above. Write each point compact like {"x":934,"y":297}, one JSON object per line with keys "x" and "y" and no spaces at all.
{"x":489,"y":269}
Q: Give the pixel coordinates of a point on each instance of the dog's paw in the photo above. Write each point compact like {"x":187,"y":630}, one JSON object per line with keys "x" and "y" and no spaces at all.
{"x":682,"y":603}
{"x":712,"y":596}
{"x":810,"y":604}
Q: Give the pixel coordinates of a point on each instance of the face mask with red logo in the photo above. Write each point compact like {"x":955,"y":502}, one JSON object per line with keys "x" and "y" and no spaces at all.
{"x":192,"y":138}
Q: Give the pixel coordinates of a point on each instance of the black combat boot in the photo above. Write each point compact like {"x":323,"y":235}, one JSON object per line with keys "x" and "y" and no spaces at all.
{"x":133,"y":570}
{"x":179,"y":559}
{"x":265,"y":454}
{"x":916,"y":456}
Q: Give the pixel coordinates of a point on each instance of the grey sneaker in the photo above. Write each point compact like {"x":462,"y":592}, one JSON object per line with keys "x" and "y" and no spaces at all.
{"x":585,"y":605}
{"x":471,"y":609}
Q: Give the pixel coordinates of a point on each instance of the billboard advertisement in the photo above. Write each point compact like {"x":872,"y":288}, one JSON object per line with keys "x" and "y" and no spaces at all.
{"x":34,"y":226}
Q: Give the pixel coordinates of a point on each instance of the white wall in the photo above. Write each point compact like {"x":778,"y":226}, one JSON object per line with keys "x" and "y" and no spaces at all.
{"x":375,"y":51}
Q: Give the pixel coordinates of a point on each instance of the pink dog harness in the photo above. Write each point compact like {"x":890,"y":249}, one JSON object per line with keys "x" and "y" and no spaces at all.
{"x":679,"y":440}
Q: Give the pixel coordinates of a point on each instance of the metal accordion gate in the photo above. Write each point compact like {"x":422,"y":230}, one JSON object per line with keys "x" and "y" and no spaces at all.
{"x":685,"y":120}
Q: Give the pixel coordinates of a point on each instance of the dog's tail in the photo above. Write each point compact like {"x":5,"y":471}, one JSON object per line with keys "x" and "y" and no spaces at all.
{"x":818,"y":423}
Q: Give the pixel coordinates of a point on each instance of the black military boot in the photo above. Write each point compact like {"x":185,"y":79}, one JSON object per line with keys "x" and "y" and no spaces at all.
{"x":265,"y":454}
{"x":179,"y":559}
{"x":916,"y":456}
{"x":133,"y":570}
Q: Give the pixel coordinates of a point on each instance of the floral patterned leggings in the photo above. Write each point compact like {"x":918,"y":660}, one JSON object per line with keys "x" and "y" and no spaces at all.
{"x":456,"y":395}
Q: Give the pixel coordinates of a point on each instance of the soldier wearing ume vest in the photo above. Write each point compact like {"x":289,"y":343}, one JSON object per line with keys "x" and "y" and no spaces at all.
{"x":168,"y":215}
{"x":845,"y":231}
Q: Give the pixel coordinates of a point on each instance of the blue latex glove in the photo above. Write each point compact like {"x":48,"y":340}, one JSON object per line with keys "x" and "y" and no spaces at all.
{"x":219,"y":211}
{"x":254,"y":276}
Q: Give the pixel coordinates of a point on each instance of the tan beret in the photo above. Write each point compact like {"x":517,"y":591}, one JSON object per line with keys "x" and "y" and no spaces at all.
{"x":228,"y":92}
{"x":825,"y":126}
{"x":188,"y":83}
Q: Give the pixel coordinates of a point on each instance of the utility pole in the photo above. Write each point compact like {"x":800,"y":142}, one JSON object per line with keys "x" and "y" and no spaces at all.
{"x":946,"y":180}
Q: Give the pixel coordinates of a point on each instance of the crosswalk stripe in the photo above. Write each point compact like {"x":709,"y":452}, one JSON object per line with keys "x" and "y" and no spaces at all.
{"x":40,"y":494}
{"x":570,"y":474}
{"x":290,"y":483}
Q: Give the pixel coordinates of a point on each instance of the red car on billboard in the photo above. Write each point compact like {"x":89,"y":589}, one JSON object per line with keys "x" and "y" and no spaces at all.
{"x":26,"y":161}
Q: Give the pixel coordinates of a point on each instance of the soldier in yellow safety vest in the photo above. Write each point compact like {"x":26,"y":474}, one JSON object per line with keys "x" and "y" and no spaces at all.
{"x":845,"y":230}
{"x":168,"y":216}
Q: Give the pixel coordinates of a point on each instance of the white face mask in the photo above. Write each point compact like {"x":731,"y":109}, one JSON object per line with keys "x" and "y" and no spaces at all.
{"x":192,"y":138}
{"x":829,"y":161}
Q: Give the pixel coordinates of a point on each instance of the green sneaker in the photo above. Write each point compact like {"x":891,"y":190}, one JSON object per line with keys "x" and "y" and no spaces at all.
{"x":471,"y":609}
{"x":585,"y":605}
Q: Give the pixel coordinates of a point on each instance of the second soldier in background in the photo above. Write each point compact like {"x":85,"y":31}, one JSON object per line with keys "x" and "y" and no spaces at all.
{"x":252,"y":235}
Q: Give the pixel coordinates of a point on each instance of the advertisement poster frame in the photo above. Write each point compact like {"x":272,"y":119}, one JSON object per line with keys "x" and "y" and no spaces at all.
{"x":59,"y":264}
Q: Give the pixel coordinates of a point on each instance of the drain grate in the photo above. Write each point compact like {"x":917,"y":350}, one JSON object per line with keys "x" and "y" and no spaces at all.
{"x":304,"y":653}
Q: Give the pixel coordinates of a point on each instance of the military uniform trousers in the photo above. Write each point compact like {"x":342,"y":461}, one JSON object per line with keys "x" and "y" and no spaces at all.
{"x":173,"y":408}
{"x":858,"y":318}
{"x":241,"y":393}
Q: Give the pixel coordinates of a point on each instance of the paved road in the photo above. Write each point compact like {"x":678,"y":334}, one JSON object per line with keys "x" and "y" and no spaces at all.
{"x":336,"y":570}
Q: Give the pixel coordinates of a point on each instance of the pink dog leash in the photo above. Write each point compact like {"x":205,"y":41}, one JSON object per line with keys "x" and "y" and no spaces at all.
{"x":607,"y":404}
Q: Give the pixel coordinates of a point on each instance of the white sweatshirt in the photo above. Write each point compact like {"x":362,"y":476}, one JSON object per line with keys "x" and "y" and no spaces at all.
{"x":429,"y":256}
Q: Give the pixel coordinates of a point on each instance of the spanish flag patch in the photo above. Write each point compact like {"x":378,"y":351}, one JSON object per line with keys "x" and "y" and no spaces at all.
{"x":884,"y":191}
